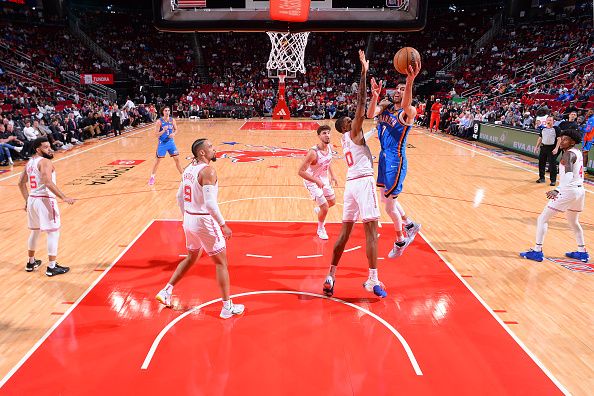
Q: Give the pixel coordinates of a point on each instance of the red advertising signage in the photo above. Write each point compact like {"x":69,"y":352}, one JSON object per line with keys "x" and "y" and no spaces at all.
{"x":106,"y":79}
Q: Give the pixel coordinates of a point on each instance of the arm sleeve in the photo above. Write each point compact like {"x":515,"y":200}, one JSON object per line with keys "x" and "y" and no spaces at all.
{"x":180,"y":197}
{"x":210,"y":199}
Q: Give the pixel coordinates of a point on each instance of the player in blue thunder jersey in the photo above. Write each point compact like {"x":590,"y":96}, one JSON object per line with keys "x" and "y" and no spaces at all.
{"x":394,"y":122}
{"x":166,"y":130}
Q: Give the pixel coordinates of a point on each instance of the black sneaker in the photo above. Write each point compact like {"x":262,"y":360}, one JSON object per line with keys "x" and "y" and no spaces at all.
{"x":57,"y":270}
{"x":328,"y":287}
{"x":31,"y":267}
{"x":553,"y":184}
{"x":540,"y":181}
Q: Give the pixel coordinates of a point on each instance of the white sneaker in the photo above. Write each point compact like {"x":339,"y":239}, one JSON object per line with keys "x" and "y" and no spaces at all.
{"x":10,"y":161}
{"x":413,"y":231}
{"x":322,"y":234}
{"x":236,"y":309}
{"x":18,"y":149}
{"x":375,"y":287}
{"x":164,"y":298}
{"x":397,"y":251}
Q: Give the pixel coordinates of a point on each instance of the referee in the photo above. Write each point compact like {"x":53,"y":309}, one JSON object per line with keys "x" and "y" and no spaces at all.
{"x":548,"y":142}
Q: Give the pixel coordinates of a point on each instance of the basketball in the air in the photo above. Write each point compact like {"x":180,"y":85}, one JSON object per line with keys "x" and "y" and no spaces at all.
{"x":405,"y":57}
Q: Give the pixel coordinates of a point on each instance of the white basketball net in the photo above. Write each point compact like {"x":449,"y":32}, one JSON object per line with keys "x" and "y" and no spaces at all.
{"x":287,"y":53}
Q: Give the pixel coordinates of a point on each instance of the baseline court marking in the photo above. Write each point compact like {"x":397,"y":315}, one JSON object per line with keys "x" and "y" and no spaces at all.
{"x":411,"y":356}
{"x":72,"y":307}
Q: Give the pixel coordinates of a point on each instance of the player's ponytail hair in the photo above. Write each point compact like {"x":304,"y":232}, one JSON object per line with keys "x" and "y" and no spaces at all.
{"x":196,"y":146}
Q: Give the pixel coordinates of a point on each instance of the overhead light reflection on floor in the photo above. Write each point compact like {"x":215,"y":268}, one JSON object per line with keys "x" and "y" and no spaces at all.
{"x":478,"y":197}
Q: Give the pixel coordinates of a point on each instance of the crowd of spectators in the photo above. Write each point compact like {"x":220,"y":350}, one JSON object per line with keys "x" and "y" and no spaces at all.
{"x":521,"y":76}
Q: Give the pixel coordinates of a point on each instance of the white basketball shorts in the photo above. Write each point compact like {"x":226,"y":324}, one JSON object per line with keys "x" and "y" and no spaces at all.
{"x":43,"y":214}
{"x":360,"y":200}
{"x":202,"y":231}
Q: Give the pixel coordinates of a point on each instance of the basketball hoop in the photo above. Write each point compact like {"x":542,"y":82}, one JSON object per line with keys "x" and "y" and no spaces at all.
{"x":287,"y":53}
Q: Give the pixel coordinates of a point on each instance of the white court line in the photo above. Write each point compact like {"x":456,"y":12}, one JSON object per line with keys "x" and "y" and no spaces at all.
{"x":89,"y":149}
{"x":489,"y":156}
{"x":405,"y":345}
{"x":351,"y":249}
{"x":312,"y":256}
{"x":478,"y":297}
{"x":488,"y":308}
{"x":65,"y":315}
{"x":183,"y":255}
{"x":258,"y":256}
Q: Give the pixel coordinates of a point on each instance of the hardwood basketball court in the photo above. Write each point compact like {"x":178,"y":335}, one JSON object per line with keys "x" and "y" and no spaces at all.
{"x":478,"y":210}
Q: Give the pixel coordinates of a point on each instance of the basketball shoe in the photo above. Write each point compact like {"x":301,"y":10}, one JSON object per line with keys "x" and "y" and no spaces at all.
{"x":234,"y":309}
{"x":397,"y":250}
{"x":412,"y":230}
{"x":151,"y":181}
{"x":30,"y":267}
{"x":582,"y":256}
{"x":328,"y":286}
{"x":377,"y":287}
{"x":322,"y":234}
{"x":164,"y":297}
{"x":57,"y":270}
{"x":533,"y":255}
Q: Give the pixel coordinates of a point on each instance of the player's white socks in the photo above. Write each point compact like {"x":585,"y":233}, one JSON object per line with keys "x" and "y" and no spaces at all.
{"x":52,"y":264}
{"x":227,"y":304}
{"x":373,"y":274}
{"x":169,"y":288}
{"x":31,"y":260}
{"x":582,"y":249}
{"x":321,"y":225}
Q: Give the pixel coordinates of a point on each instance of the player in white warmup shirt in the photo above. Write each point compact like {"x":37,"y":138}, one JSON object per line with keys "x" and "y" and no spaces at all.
{"x":360,"y":197}
{"x":41,"y":205}
{"x":204,"y":225}
{"x":569,"y":197}
{"x":315,"y":170}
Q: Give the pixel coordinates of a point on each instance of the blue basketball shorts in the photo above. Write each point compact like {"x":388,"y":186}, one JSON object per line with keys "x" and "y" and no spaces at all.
{"x":391,"y":174}
{"x":167,"y":147}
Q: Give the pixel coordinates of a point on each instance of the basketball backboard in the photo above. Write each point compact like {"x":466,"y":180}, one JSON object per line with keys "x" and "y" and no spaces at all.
{"x":324,"y":16}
